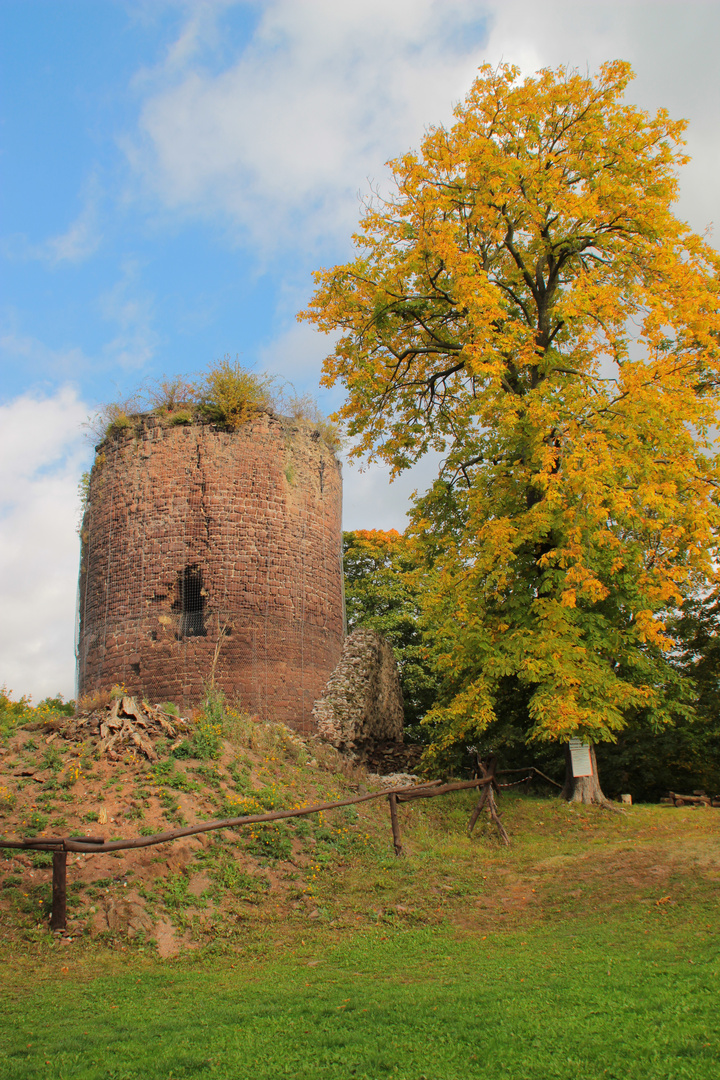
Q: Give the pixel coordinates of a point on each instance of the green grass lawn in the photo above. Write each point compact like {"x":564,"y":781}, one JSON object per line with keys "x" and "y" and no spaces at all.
{"x":632,"y":996}
{"x":586,"y":950}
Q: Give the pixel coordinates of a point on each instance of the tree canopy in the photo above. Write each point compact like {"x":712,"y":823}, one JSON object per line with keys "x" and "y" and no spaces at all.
{"x":527,"y":303}
{"x":383,"y":591}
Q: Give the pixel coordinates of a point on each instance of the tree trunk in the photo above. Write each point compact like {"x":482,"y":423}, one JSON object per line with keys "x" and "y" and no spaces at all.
{"x":584,"y":789}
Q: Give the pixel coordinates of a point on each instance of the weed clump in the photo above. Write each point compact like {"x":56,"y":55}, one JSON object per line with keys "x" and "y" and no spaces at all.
{"x":304,"y":407}
{"x":271,"y":841}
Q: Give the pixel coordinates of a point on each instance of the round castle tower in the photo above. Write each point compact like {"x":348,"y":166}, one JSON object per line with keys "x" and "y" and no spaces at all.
{"x":213,"y":554}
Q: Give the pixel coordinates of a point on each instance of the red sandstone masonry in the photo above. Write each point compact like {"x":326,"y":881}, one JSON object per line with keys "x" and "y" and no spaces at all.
{"x":257,"y":512}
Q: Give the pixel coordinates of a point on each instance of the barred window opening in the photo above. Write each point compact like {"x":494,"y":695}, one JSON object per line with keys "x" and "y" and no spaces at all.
{"x":191,"y":597}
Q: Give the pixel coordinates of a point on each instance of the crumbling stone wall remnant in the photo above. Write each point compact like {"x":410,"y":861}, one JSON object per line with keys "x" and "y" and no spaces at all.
{"x":213,"y":553}
{"x":362,"y":703}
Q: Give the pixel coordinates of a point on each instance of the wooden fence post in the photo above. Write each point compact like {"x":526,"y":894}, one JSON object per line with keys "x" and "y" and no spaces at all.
{"x":58,"y":918}
{"x":476,"y":812}
{"x":392,"y":799}
{"x":488,"y":798}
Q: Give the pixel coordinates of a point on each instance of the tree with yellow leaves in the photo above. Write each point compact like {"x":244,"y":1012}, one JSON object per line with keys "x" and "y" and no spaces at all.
{"x":528,"y":304}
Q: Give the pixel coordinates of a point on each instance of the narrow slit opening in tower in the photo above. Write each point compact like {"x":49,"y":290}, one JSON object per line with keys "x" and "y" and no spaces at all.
{"x":190,"y":602}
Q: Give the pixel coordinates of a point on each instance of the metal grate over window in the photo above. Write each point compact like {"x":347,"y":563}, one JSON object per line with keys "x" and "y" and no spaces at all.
{"x":190,"y":603}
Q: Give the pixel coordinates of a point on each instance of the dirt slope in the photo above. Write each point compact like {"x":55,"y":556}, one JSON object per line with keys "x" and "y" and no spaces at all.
{"x":268,"y":886}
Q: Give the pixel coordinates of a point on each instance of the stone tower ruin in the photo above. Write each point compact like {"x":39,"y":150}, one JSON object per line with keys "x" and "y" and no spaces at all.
{"x":210,"y":553}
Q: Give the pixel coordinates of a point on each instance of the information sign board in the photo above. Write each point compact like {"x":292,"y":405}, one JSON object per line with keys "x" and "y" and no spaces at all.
{"x":580,"y":755}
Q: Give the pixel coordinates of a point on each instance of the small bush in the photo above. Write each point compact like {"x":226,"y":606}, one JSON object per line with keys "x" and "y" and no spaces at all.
{"x":162,"y":769}
{"x":178,"y":781}
{"x":269,"y":798}
{"x":13,"y":714}
{"x":52,"y":760}
{"x":120,"y":422}
{"x":183,"y":749}
{"x":240,"y":806}
{"x":271,"y":842}
{"x":210,"y":774}
{"x":239,"y":727}
{"x":230,"y":394}
{"x":114,"y":417}
{"x":34,"y":824}
{"x":206,"y":740}
{"x":168,"y":396}
{"x":98,"y":699}
{"x":56,"y":706}
{"x":241,"y":779}
{"x":182,"y":416}
{"x":214,"y":704}
{"x":70,"y":777}
{"x":300,"y":406}
{"x":83,"y":491}
{"x":229,"y":875}
{"x":7,"y":799}
{"x":304,"y":407}
{"x":175,"y":892}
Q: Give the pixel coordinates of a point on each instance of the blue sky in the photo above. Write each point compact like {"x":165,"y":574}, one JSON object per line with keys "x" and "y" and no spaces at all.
{"x":171,"y":174}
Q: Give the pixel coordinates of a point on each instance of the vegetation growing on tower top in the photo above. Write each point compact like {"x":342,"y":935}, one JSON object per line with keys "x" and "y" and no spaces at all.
{"x":226,"y":395}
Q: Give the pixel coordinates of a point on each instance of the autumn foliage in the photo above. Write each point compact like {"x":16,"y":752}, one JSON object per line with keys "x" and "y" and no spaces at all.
{"x":528,"y":304}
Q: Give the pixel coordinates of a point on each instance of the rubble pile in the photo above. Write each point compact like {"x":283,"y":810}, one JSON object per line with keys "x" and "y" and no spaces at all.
{"x":123,"y":725}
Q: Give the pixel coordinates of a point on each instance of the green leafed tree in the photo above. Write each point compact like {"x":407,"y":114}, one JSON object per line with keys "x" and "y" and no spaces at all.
{"x":527,"y":303}
{"x":383,"y":587}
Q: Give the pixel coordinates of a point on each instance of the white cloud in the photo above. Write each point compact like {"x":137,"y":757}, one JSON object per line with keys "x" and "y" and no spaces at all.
{"x":372,"y":501}
{"x":280,"y":141}
{"x":77,"y":243}
{"x":672,"y":48}
{"x":22,"y":350}
{"x":296,"y":355}
{"x":43,"y":450}
{"x":131,"y":309}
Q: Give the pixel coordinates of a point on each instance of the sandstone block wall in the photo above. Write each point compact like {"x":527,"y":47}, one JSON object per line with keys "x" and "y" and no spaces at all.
{"x":362,"y":703}
{"x":207,"y":550}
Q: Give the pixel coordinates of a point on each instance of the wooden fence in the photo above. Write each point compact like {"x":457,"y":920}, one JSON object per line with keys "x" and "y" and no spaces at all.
{"x":61,"y":845}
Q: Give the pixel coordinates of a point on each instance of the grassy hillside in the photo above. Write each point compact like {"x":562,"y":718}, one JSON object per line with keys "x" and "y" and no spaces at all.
{"x":338,"y":869}
{"x":589,"y":948}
